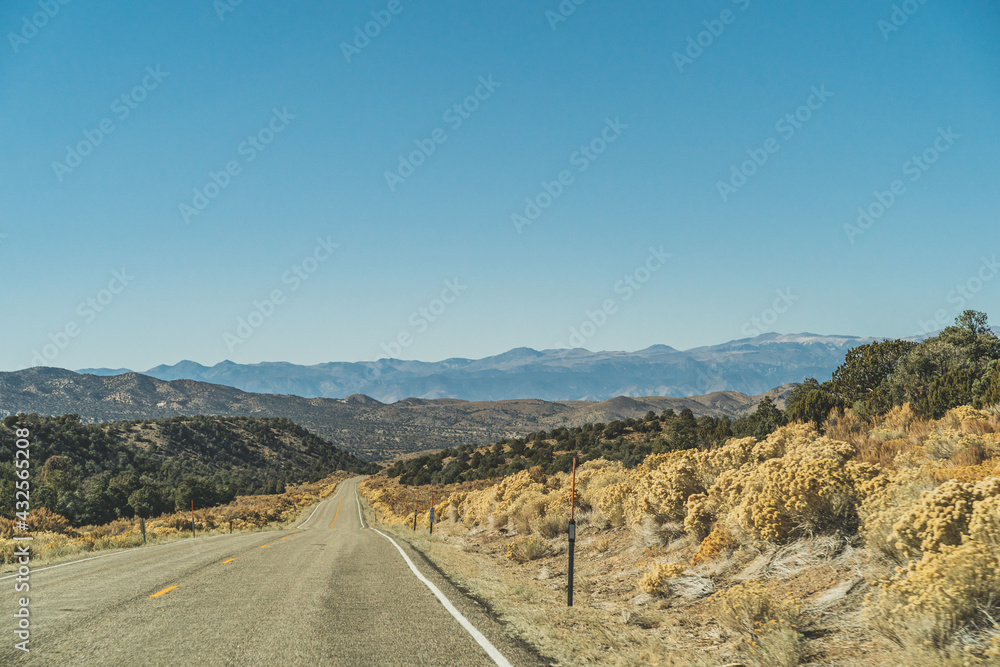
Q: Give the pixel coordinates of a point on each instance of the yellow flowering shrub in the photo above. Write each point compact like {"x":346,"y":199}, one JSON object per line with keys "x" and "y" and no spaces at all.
{"x":951,"y":585}
{"x":809,"y":488}
{"x":663,"y":492}
{"x":714,"y":545}
{"x":941,"y":517}
{"x":613,"y":500}
{"x":968,"y":419}
{"x":733,"y":455}
{"x":886,"y":498}
{"x":44,"y":520}
{"x":656,"y":579}
{"x":701,"y":511}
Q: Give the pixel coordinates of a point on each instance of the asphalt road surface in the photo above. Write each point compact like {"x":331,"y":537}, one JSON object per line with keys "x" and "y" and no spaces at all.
{"x":331,"y":592}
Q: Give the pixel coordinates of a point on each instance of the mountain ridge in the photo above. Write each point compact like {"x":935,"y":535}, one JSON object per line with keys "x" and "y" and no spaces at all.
{"x":750,"y":366}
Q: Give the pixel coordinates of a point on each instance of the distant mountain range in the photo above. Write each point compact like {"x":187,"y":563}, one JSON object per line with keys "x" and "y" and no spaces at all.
{"x":748,"y":366}
{"x":360,"y":424}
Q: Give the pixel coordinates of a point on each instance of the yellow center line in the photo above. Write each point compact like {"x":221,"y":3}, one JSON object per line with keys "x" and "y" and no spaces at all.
{"x":264,"y":546}
{"x":228,"y":561}
{"x":337,"y":514}
{"x":163,"y":592}
{"x":285,"y":538}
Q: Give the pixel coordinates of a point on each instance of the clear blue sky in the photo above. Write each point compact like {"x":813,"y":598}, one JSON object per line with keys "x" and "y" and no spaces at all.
{"x":323,"y":175}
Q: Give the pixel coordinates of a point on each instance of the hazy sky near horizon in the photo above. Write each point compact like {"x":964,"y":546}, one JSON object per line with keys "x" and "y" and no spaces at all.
{"x":263,"y":182}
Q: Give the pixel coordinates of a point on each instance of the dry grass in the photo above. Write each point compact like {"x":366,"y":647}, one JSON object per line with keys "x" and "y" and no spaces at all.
{"x":737,"y":555}
{"x":55,"y":540}
{"x":748,"y":607}
{"x":527,"y":549}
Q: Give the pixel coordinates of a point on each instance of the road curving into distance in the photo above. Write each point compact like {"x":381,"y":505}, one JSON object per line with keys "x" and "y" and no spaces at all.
{"x":331,"y":592}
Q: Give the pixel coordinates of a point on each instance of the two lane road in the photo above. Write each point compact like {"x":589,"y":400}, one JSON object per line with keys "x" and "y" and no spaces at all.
{"x":332,"y":592}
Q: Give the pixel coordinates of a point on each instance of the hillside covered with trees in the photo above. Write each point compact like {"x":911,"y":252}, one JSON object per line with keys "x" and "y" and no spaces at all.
{"x":959,"y":366}
{"x":628,"y":440}
{"x":96,"y":473}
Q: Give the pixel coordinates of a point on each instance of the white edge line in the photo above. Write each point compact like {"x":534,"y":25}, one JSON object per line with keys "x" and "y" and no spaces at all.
{"x":464,"y":622}
{"x":144,"y":549}
{"x":134,"y":550}
{"x":360,"y":516}
{"x":137,"y":550}
{"x":310,"y":514}
{"x":50,"y":567}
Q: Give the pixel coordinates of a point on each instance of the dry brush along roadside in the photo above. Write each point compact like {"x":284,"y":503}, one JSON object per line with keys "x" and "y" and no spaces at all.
{"x":868,"y":544}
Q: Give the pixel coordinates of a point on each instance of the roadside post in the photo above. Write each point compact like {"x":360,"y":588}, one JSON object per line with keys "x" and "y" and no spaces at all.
{"x":416,"y":504}
{"x":142,"y":527}
{"x":572,"y":536}
{"x":192,"y":518}
{"x":432,"y":510}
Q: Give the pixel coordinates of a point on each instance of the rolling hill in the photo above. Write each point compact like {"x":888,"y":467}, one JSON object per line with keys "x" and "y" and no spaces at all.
{"x":360,"y":424}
